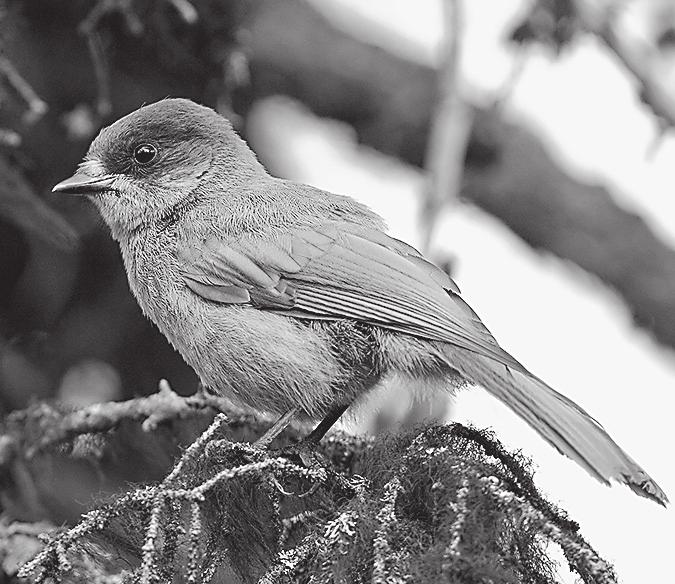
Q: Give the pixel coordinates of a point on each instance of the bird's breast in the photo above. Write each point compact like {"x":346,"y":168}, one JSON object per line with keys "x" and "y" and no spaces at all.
{"x":259,"y":358}
{"x":155,"y":280}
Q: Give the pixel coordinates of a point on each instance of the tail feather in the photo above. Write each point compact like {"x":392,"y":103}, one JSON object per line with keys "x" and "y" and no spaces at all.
{"x":560,"y":421}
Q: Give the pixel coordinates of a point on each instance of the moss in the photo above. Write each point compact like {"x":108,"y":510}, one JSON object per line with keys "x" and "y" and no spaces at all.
{"x":433,"y":504}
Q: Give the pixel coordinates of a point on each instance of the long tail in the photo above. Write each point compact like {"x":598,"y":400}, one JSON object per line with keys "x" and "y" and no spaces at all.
{"x":560,"y":421}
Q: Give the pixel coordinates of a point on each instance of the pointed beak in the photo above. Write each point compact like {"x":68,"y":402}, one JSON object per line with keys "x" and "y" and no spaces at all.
{"x":83,"y":184}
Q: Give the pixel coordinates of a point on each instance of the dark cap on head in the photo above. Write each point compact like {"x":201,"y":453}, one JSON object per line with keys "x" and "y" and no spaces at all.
{"x":139,"y":169}
{"x":155,"y":140}
{"x":166,"y":125}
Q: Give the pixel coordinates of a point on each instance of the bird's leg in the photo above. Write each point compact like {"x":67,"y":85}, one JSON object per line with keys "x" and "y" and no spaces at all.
{"x":305,"y":452}
{"x":277,"y":428}
{"x":313,"y":438}
{"x":333,"y":415}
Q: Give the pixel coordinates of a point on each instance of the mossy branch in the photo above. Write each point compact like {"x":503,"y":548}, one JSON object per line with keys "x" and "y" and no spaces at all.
{"x":441,"y":503}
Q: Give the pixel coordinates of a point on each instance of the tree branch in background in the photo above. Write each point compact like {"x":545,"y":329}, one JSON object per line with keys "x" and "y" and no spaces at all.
{"x":36,"y":106}
{"x":637,"y":57}
{"x":387,"y":100}
{"x":186,"y":10}
{"x":576,"y":221}
{"x":155,"y":409}
{"x":450,"y":129}
{"x":444,"y":165}
{"x":89,"y":29}
{"x":21,"y":206}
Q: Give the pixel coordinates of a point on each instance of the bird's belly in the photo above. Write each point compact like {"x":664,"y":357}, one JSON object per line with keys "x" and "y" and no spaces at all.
{"x":259,"y":359}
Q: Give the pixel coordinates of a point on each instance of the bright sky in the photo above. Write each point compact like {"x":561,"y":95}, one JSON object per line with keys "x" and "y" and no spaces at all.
{"x":561,"y":323}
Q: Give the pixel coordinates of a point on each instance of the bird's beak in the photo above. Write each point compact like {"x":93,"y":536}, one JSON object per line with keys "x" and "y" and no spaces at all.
{"x":83,"y":184}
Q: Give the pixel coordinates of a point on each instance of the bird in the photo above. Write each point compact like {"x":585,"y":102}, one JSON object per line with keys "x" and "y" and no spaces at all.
{"x":292,"y":300}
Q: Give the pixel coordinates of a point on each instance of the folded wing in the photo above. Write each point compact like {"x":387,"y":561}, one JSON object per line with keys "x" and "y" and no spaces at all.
{"x":339,"y":271}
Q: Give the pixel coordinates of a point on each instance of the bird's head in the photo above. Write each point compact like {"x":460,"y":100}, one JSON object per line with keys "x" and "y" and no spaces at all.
{"x":147,"y":164}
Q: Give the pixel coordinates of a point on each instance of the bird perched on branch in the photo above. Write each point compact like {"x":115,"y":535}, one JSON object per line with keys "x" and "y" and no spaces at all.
{"x":293,"y":300}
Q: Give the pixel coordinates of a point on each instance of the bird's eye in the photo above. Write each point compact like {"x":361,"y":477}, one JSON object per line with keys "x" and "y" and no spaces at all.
{"x":145,"y":153}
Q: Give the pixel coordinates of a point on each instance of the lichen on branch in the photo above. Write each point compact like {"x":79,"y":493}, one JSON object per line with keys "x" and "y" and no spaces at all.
{"x":439,"y":503}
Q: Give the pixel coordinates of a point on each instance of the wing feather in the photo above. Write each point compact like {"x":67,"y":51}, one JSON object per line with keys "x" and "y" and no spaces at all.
{"x":339,"y":270}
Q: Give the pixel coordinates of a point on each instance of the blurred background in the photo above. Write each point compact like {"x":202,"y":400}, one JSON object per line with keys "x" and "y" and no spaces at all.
{"x":525,"y":145}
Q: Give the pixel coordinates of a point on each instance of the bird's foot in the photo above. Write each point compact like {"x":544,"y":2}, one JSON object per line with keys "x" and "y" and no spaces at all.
{"x":305,"y":453}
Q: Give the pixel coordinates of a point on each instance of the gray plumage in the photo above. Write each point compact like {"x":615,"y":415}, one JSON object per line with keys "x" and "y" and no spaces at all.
{"x":281,"y":295}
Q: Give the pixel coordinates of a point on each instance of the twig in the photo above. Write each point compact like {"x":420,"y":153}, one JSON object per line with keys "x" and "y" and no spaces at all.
{"x":36,"y":106}
{"x":195,"y":448}
{"x":636,"y":57}
{"x":186,"y":10}
{"x":195,"y":534}
{"x":154,"y":409}
{"x":580,"y":555}
{"x":97,"y":53}
{"x":452,"y":552}
{"x":507,"y":88}
{"x":156,"y":499}
{"x":149,"y":549}
{"x":89,"y":29}
{"x":387,"y":520}
{"x":450,"y":127}
{"x":103,"y":7}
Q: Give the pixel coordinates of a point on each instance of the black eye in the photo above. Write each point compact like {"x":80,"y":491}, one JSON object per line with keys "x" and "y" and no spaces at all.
{"x":145,"y":153}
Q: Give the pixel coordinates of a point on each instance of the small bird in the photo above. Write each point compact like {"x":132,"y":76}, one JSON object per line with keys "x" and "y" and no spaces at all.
{"x":293,"y":300}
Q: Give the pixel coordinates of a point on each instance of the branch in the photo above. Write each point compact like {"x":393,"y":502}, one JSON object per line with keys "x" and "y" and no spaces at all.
{"x":443,"y":502}
{"x":155,"y":409}
{"x":387,"y":100}
{"x":36,"y":106}
{"x":450,"y":130}
{"x":89,"y":29}
{"x":636,"y":57}
{"x":21,"y":206}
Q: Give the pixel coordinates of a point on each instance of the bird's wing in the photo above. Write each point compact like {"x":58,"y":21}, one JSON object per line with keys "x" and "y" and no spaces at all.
{"x":339,"y":270}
